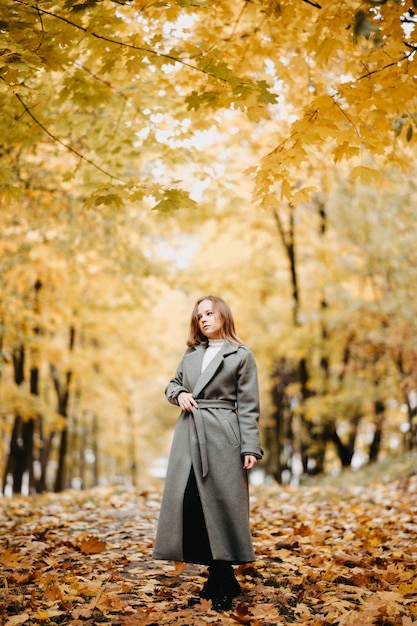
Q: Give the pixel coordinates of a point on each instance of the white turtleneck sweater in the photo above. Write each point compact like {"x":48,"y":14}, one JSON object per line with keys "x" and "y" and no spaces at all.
{"x":214,"y":346}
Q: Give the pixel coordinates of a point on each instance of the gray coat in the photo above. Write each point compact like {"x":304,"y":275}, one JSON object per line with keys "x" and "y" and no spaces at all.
{"x":213,"y":440}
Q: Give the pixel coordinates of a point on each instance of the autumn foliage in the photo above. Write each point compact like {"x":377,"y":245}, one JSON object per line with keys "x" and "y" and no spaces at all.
{"x":325,"y":557}
{"x":151,"y":152}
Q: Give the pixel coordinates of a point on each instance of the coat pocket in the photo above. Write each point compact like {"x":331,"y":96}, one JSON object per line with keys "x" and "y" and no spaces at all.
{"x":232,"y":433}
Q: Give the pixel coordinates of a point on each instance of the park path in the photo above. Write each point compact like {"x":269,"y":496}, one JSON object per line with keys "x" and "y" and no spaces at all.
{"x":345,"y":557}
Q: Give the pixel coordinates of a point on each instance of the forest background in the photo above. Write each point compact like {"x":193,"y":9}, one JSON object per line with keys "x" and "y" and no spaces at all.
{"x":153,"y":152}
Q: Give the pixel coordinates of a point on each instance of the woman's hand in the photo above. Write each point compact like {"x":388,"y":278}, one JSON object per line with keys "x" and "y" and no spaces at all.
{"x":186,"y":401}
{"x":249,"y":461}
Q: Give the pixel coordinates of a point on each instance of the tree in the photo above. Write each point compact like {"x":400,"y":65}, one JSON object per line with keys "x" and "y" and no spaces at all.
{"x":106,"y":81}
{"x":106,"y":109}
{"x":337,"y":399}
{"x":69,"y":279}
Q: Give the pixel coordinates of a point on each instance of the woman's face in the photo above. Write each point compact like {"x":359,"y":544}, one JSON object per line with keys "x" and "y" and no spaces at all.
{"x":209,"y":321}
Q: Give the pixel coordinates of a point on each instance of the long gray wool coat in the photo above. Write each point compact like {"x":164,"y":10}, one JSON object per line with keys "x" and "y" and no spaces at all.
{"x":213,"y":441}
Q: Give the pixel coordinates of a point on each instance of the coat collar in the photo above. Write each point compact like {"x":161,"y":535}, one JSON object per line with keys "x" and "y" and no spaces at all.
{"x":199,"y":379}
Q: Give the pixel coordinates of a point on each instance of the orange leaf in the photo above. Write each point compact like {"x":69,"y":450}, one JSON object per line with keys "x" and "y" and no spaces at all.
{"x":92,"y":545}
{"x":53,"y":593}
{"x":10,"y":558}
{"x":204,"y":606}
{"x":242,"y":615}
{"x":179,"y":566}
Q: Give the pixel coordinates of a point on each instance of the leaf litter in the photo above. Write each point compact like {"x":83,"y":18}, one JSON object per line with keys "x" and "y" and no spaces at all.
{"x":345,"y":557}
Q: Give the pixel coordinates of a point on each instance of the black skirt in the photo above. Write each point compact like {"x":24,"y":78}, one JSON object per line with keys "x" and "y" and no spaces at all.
{"x":196,"y":544}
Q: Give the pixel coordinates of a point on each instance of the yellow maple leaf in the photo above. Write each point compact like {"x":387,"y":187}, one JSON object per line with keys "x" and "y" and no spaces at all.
{"x":365,"y":175}
{"x":408,"y":588}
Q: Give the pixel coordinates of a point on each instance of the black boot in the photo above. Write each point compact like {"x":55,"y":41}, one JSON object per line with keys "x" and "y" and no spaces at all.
{"x":208,"y":592}
{"x":228,"y":587}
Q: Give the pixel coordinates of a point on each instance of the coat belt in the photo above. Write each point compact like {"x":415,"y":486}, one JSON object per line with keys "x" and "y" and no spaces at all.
{"x":199,"y":426}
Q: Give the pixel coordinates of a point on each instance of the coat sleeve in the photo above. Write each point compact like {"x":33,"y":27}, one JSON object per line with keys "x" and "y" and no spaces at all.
{"x":175,"y":385}
{"x":248,"y":408}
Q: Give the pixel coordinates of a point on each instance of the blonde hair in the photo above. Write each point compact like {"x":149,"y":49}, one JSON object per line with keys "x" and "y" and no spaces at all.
{"x":222,"y":309}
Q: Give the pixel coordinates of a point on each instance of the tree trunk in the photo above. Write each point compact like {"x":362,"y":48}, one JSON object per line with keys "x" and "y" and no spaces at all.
{"x":96,"y":467}
{"x":346,"y":451}
{"x":132,"y":446}
{"x":375,"y":445}
{"x":278,"y":432}
{"x":21,"y":444}
{"x":21,"y":456}
{"x":62,"y":455}
{"x":62,"y":391}
{"x":43,"y":459}
{"x":22,"y":435}
{"x":287,"y":439}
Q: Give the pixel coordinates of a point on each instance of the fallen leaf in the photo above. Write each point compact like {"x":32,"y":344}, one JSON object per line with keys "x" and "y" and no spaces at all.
{"x":92,"y":545}
{"x":18,"y":619}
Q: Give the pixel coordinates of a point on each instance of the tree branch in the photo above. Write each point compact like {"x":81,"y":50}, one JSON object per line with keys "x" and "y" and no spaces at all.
{"x":65,"y":145}
{"x":385,"y":67}
{"x":313,"y":4}
{"x":282,"y":233}
{"x":123,"y":44}
{"x":343,"y":112}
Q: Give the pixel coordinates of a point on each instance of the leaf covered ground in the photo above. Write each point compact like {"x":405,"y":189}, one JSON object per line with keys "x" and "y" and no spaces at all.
{"x":347,"y":556}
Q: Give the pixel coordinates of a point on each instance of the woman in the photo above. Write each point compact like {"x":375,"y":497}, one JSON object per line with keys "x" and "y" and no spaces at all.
{"x":204,"y":514}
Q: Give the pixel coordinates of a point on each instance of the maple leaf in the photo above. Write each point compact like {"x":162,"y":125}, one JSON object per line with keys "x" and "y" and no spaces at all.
{"x":92,"y":545}
{"x":204,"y":605}
{"x":53,"y":593}
{"x":173,"y":200}
{"x":243,"y":615}
{"x":10,"y":559}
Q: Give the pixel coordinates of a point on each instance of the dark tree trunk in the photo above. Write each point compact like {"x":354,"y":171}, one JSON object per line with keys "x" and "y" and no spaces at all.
{"x":346,"y":451}
{"x":288,"y":241}
{"x":62,"y":455}
{"x":62,"y":391}
{"x":375,"y":445}
{"x":20,"y":459}
{"x":16,"y":461}
{"x":43,"y":459}
{"x":277,"y":432}
{"x":35,"y":483}
{"x":283,"y":417}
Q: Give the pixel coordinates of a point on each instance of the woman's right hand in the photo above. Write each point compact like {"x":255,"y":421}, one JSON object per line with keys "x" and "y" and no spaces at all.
{"x":186,"y":401}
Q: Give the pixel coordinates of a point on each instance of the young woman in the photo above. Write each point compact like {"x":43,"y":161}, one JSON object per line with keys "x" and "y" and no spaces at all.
{"x":204,"y":515}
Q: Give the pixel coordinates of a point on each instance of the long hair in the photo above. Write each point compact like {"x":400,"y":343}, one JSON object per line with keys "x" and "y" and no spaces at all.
{"x":222,"y":309}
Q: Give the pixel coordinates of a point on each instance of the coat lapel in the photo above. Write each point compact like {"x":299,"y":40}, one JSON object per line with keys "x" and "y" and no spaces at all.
{"x":212,"y":368}
{"x":192,"y":366}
